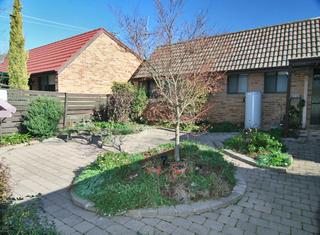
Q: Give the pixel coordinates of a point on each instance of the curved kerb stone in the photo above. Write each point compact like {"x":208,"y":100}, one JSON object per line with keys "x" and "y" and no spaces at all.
{"x":181,"y":210}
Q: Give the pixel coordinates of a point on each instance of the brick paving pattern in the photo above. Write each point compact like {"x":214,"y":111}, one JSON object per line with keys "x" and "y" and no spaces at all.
{"x":273,"y":204}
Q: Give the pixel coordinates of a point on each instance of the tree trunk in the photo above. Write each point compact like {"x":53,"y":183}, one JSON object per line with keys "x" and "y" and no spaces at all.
{"x":177,"y":136}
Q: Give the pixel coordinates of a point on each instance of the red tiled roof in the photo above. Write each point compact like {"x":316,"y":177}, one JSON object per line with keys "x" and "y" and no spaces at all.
{"x":56,"y":55}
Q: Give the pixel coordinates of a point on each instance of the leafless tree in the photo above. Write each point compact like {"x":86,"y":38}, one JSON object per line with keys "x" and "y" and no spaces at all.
{"x":182,"y":79}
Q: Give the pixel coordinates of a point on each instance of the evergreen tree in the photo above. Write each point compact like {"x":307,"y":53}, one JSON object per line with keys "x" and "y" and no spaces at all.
{"x":17,"y":56}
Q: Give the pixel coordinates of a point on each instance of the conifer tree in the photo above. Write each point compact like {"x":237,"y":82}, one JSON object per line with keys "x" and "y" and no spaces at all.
{"x":17,"y":56}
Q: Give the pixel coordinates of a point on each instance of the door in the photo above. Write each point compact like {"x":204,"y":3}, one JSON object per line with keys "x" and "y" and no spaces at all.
{"x":315,"y":99}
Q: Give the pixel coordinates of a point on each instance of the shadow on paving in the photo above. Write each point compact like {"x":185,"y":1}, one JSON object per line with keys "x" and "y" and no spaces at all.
{"x":308,"y":151}
{"x":273,"y":203}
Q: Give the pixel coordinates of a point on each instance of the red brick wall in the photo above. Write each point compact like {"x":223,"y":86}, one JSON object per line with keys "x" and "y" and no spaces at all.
{"x":94,"y":70}
{"x":230,"y":107}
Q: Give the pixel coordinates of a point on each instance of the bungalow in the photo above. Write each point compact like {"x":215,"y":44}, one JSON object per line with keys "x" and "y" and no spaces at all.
{"x":280,"y":61}
{"x":85,"y":63}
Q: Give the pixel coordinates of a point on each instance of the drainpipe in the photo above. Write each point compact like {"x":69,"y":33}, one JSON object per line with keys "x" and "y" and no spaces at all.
{"x":305,"y":97}
{"x":286,"y":116}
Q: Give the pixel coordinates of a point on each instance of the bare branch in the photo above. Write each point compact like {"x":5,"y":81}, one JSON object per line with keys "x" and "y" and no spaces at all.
{"x":183,"y":78}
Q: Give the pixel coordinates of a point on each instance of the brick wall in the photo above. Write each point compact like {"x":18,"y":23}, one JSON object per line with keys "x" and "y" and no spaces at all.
{"x":230,"y":107}
{"x":94,"y":70}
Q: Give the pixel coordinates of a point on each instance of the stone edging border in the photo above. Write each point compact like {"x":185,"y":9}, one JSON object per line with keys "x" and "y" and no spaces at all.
{"x":250,"y":161}
{"x":181,"y":210}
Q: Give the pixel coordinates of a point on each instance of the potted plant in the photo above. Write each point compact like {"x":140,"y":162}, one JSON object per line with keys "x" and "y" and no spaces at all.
{"x":106,"y":137}
{"x":178,"y":168}
{"x":95,"y":134}
{"x":154,"y":170}
{"x":64,"y":135}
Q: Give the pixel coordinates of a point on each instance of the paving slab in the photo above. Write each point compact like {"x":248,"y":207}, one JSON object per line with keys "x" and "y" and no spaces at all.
{"x":274,"y":203}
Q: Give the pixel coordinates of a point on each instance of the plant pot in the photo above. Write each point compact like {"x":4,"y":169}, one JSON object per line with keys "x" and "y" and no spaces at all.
{"x":95,"y":139}
{"x":178,"y":168}
{"x":153,"y":170}
{"x":64,"y":137}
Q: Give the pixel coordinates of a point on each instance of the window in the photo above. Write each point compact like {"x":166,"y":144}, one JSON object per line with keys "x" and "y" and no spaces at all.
{"x":275,"y":82}
{"x":237,"y":83}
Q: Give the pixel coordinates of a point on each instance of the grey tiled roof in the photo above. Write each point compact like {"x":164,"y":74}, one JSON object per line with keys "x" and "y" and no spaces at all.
{"x":265,"y":47}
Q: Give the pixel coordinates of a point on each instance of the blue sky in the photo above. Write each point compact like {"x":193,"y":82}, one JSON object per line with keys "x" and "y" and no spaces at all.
{"x":223,"y":15}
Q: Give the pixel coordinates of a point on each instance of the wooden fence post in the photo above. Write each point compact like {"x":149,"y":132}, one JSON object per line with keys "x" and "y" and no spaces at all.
{"x":65,"y":109}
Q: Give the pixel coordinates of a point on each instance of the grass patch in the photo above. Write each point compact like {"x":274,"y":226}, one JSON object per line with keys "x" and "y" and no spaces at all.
{"x":117,"y":182}
{"x":16,"y":138}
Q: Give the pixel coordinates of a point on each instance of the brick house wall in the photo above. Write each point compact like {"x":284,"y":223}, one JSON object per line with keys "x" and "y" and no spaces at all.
{"x":96,"y":67}
{"x":231,"y":107}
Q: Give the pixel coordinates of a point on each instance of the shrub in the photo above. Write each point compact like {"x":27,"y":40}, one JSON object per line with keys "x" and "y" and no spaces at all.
{"x":139,"y":104}
{"x":43,"y":116}
{"x":276,"y":133}
{"x":120,"y":101}
{"x":295,"y":114}
{"x":16,"y":138}
{"x":4,"y":183}
{"x":254,"y":142}
{"x":101,"y":113}
{"x":274,"y":159}
{"x":157,"y":111}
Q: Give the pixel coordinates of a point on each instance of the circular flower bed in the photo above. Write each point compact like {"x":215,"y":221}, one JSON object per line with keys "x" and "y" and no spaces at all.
{"x":118,"y":182}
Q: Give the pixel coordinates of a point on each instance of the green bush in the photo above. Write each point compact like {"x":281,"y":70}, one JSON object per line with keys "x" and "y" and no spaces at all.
{"x":43,"y":116}
{"x":295,"y":114}
{"x":16,"y":138}
{"x":274,"y":159}
{"x":126,"y":101}
{"x":276,"y":133}
{"x":138,"y":105}
{"x":254,"y":142}
{"x":120,"y":101}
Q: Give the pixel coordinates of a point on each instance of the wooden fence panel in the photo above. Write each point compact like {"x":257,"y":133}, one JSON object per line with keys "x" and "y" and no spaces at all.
{"x":76,"y":106}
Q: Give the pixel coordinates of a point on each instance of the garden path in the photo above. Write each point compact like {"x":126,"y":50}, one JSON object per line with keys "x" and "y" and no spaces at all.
{"x":273,"y":204}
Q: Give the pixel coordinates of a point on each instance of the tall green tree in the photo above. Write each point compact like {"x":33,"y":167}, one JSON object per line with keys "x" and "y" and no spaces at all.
{"x":17,"y":56}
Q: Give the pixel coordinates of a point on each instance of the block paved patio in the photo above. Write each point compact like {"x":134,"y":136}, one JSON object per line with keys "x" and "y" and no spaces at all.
{"x":273,"y":204}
